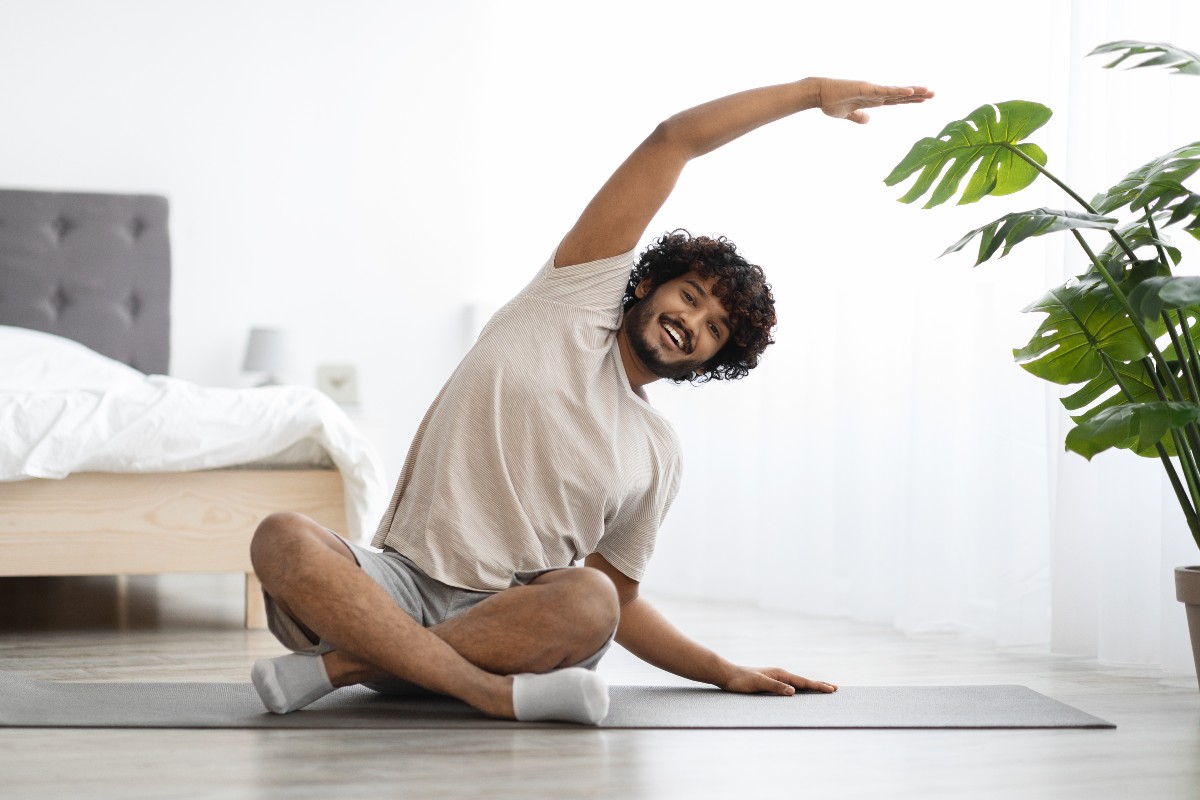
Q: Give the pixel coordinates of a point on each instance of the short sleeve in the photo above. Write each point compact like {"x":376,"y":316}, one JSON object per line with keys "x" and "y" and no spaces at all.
{"x":597,"y":285}
{"x":629,"y":539}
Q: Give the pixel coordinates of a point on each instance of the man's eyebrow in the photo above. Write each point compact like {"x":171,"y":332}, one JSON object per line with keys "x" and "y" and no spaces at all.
{"x":700,"y":291}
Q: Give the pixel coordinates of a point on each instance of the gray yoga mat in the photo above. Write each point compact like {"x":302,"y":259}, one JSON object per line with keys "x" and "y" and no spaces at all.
{"x":29,"y":703}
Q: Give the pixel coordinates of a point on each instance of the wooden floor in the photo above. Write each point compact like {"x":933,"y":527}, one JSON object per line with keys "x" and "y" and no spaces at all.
{"x":185,"y":628}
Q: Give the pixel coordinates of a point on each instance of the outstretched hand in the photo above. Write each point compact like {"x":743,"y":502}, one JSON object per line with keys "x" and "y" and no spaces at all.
{"x":848,"y":99}
{"x":748,"y":680}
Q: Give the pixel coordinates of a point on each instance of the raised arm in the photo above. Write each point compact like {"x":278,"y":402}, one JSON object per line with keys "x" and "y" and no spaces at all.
{"x":618,"y":215}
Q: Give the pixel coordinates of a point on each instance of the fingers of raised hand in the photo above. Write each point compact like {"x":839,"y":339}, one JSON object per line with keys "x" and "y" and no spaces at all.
{"x":850,"y":100}
{"x":897,"y":95}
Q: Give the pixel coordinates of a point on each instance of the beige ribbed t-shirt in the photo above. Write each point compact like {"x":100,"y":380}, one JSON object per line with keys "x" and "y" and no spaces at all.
{"x":537,"y":453}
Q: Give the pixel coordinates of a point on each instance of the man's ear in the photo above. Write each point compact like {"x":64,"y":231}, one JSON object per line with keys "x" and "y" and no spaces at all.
{"x":642,"y":288}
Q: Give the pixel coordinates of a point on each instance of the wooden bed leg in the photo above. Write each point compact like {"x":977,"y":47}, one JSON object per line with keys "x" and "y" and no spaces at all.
{"x":256,"y":610}
{"x":122,"y":582}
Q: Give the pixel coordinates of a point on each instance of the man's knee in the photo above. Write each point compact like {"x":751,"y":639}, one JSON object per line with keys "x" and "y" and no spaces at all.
{"x":593,"y":598}
{"x":285,"y":536}
{"x":276,"y":532}
{"x":282,"y":537}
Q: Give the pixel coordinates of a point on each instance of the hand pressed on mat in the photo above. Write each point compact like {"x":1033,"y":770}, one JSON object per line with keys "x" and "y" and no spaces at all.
{"x":774,"y":680}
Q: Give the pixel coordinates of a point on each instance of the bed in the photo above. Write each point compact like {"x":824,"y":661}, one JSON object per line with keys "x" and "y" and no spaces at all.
{"x":108,"y":466}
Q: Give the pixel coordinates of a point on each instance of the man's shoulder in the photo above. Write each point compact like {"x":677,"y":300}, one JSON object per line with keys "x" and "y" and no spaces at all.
{"x":566,"y":257}
{"x":589,"y":294}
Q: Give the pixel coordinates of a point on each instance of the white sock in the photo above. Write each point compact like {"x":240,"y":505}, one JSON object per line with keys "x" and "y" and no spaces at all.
{"x":290,"y":682}
{"x":568,"y":695}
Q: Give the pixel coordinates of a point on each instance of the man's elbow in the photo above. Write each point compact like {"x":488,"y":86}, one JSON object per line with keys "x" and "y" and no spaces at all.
{"x":670,"y":137}
{"x":665,"y":131}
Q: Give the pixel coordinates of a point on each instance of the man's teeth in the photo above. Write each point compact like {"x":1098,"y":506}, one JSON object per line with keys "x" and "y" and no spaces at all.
{"x":674,"y":334}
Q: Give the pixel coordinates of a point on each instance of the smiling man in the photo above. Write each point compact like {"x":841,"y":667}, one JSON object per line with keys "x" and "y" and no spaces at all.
{"x":541,"y":451}
{"x":694,"y":310}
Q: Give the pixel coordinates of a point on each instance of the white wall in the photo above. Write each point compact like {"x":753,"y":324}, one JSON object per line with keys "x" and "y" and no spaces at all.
{"x":364,"y":172}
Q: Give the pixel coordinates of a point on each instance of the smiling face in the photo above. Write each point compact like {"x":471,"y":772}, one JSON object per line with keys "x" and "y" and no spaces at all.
{"x":676,"y":328}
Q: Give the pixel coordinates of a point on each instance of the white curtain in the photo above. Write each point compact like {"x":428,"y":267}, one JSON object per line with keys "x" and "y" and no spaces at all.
{"x":890,"y":462}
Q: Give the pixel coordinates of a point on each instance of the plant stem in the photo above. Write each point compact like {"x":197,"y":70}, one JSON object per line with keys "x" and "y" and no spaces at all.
{"x":1187,"y":460}
{"x":1189,"y":510}
{"x":1188,"y":465}
{"x":1192,"y":361}
{"x":1192,"y":430}
{"x":1086,"y":205}
{"x":1193,"y":391}
{"x":1162,"y":254}
{"x":1187,"y":505}
{"x":1187,"y":365}
{"x":1183,"y":447}
{"x":1051,"y":176}
{"x":1187,"y":357}
{"x":1147,"y":339}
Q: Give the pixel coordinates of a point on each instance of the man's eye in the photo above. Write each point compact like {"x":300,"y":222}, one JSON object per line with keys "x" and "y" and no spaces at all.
{"x":688,"y":297}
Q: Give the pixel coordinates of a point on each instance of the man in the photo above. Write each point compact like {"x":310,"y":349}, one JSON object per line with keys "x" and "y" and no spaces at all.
{"x":542,"y":450}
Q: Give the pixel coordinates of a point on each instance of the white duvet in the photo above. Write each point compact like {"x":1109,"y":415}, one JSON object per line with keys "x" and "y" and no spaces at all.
{"x":65,"y":408}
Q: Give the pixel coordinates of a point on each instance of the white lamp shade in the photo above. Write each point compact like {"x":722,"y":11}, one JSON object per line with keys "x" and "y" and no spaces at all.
{"x":266,"y":351}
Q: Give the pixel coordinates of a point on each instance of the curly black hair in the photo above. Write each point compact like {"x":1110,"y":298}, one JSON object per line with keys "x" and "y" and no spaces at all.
{"x":741,"y":287}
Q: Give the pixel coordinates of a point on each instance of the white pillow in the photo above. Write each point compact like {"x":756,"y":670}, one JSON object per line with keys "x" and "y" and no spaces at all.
{"x":33,"y":361}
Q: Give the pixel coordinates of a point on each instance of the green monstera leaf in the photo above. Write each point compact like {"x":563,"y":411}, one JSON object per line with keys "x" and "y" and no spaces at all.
{"x":1187,"y":207}
{"x":1134,"y":426}
{"x":987,"y":140}
{"x":1157,"y":187}
{"x":1012,"y":229}
{"x":1138,"y":235}
{"x":1184,"y":62}
{"x":1084,"y":320}
{"x":1133,"y":377}
{"x":1102,"y":392}
{"x":1153,"y":295}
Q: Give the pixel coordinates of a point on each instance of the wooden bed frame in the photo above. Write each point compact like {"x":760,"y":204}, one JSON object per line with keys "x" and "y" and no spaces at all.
{"x":96,"y":268}
{"x":156,"y":523}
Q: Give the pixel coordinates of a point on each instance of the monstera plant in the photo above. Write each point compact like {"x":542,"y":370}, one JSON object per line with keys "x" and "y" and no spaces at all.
{"x":1127,"y":331}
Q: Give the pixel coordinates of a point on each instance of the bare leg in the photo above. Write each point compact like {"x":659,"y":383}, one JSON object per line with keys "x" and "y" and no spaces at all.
{"x":559,"y":619}
{"x":297,"y":564}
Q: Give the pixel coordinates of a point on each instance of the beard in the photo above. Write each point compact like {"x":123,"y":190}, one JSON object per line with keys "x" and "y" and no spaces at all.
{"x":643,"y":326}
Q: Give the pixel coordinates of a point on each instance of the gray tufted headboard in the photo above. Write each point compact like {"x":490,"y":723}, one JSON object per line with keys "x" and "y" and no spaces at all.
{"x":95,"y":268}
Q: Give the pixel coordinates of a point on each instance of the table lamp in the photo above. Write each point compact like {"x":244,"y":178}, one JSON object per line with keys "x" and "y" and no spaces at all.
{"x":266,"y":352}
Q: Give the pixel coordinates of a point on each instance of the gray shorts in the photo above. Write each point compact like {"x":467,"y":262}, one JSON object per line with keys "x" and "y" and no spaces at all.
{"x":426,"y":600}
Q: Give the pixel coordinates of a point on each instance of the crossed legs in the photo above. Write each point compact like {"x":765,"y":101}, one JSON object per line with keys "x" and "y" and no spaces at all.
{"x":559,"y":619}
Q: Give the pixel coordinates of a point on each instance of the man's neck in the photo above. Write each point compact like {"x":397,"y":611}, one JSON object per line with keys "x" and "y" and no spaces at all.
{"x":637,"y":373}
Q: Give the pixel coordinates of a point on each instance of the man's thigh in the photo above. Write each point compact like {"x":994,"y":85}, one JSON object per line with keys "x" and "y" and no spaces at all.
{"x":502,"y":631}
{"x":396,"y":578}
{"x":547,"y":619}
{"x":493,"y":629}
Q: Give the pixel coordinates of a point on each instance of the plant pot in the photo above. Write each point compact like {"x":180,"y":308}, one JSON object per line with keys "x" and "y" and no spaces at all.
{"x":1187,"y":591}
